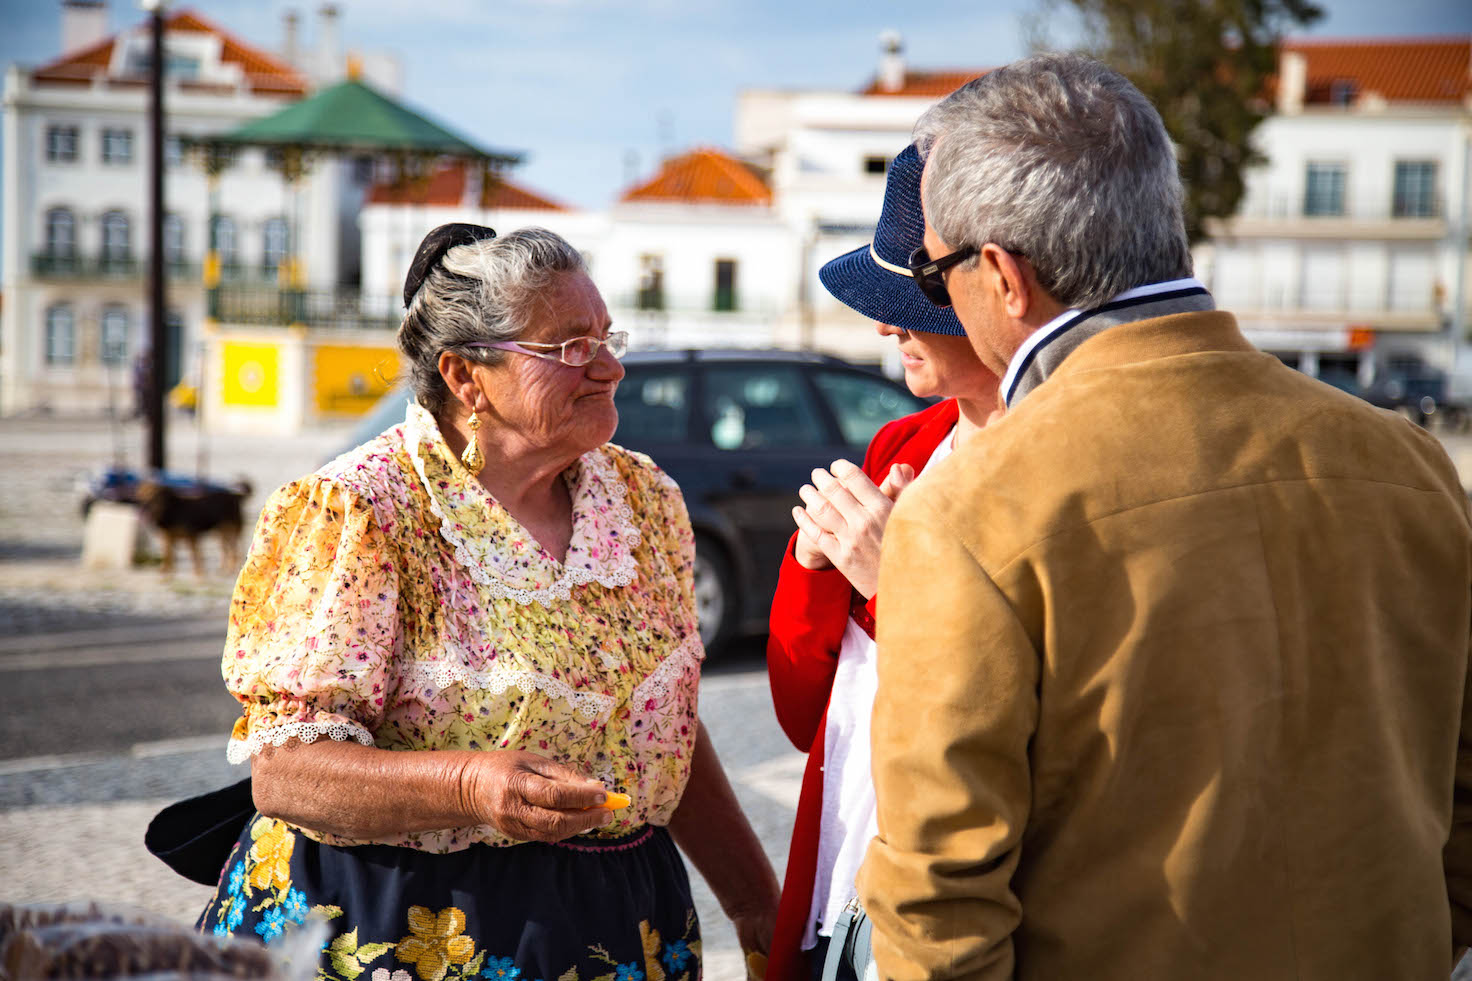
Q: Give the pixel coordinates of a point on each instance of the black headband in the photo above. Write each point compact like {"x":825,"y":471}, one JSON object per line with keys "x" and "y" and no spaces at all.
{"x":433,"y":249}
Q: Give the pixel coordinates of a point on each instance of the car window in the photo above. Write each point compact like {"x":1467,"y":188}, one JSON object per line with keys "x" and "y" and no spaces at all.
{"x":764,"y":406}
{"x":653,"y":405}
{"x":861,"y":405}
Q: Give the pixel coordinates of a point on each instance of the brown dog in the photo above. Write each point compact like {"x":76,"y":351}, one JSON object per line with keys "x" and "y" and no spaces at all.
{"x":189,"y":515}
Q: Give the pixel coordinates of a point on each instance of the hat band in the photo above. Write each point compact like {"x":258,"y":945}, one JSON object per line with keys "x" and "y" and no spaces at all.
{"x":900,"y":270}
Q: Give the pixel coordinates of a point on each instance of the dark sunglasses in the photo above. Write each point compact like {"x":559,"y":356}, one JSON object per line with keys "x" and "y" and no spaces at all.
{"x":929,"y":273}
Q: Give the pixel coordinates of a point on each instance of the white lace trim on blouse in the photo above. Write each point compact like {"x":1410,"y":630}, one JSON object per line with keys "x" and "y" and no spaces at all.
{"x":443,"y":674}
{"x":420,"y":429}
{"x":662,"y":679}
{"x":240,"y":750}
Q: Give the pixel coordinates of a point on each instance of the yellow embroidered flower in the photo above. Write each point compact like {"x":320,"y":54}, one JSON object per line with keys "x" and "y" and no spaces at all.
{"x":650,"y":936}
{"x":436,"y":942}
{"x":270,"y":853}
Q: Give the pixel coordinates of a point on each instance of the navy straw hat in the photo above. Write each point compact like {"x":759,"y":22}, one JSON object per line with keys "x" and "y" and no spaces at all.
{"x":875,"y":280}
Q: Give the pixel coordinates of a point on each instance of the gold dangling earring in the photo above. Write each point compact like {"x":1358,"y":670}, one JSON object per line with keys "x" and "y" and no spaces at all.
{"x":473,"y":458}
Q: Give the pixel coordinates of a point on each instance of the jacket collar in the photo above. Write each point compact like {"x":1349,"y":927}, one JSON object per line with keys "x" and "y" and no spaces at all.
{"x":1212,"y":331}
{"x":1050,"y":345}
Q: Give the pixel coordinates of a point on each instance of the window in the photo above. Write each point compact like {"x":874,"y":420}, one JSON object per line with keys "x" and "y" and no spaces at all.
{"x":222,"y":239}
{"x":61,"y":234}
{"x":654,"y":404}
{"x":1415,"y":189}
{"x":725,"y":294}
{"x":117,"y":239}
{"x":751,"y":406}
{"x":173,"y":151}
{"x":275,"y":246}
{"x":114,"y":334}
{"x":651,"y":283}
{"x":861,"y":405}
{"x":173,"y":240}
{"x":1324,"y":191}
{"x":876,"y":165}
{"x":61,"y":144}
{"x":117,"y":146}
{"x":61,"y":335}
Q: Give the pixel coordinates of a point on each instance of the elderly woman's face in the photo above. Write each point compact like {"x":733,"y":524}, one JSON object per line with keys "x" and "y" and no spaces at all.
{"x":549,"y":403}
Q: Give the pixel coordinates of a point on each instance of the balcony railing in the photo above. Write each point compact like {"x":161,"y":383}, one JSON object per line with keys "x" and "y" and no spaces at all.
{"x":258,"y":305}
{"x":46,"y":265}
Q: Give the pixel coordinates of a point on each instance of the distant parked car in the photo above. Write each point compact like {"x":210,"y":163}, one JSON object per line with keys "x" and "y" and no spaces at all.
{"x":740,"y":431}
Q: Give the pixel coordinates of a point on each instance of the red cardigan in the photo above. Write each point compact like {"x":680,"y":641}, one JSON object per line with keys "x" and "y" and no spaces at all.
{"x":809,"y":614}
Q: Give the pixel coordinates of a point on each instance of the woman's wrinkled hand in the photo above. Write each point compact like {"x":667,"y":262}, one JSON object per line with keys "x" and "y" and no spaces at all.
{"x":844,"y":518}
{"x":531,"y":798}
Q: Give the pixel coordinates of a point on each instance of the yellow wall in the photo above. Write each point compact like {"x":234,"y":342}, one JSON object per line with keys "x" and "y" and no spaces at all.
{"x":349,"y":379}
{"x":252,"y":374}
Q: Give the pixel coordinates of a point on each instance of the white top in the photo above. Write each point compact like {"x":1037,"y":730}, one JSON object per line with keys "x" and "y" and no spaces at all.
{"x":848,"y":820}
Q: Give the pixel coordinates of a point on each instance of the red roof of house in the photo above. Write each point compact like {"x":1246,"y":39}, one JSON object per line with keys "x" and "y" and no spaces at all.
{"x":1434,"y":69}
{"x":703,"y":176}
{"x":927,"y":83}
{"x":447,"y":189}
{"x":264,"y":73}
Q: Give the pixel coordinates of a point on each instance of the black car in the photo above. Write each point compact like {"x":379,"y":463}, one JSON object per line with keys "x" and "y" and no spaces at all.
{"x":740,"y":431}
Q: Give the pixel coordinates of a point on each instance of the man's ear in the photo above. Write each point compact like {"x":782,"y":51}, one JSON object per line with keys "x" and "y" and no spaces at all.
{"x":459,"y":378}
{"x":1008,"y":279}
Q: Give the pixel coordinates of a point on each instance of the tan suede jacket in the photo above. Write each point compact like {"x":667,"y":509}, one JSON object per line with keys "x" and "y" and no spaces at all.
{"x":1172,"y":682}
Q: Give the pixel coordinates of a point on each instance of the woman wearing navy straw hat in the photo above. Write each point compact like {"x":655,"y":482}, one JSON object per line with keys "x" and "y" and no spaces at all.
{"x":820,"y":654}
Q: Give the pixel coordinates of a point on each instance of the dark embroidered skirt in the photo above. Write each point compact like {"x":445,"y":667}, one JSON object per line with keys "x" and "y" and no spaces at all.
{"x":587,"y":910}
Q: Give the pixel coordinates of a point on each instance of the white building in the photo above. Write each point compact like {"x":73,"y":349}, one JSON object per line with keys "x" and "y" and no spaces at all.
{"x":77,"y":158}
{"x":1350,"y":237}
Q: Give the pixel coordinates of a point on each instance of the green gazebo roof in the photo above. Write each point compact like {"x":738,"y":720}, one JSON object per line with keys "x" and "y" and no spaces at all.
{"x":353,"y":117}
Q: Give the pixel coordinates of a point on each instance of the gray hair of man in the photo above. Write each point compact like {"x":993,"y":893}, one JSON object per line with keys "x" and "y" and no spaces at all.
{"x":483,"y":291}
{"x":1061,"y":160}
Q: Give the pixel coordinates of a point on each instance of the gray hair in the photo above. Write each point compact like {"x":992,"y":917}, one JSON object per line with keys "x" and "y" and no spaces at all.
{"x":1062,"y":160}
{"x":478,"y":292}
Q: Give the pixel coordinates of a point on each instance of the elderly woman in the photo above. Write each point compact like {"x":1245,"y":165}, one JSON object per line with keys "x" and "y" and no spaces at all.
{"x":821,"y":652}
{"x":458,"y":644}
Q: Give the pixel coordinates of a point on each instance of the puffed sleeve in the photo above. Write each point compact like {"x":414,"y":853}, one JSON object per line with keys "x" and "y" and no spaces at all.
{"x":313,"y":621}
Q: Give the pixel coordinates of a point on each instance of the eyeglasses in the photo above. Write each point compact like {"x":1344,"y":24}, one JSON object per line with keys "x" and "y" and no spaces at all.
{"x":929,"y":272}
{"x":574,"y":353}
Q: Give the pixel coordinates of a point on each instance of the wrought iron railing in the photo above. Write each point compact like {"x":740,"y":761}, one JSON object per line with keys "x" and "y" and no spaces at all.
{"x":258,"y":305}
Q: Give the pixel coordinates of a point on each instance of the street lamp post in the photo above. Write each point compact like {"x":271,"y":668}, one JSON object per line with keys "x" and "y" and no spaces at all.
{"x":158,"y":339}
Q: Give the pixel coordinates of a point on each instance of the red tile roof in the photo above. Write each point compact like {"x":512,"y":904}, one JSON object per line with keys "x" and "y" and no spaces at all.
{"x":447,"y":189}
{"x":1434,"y":69}
{"x":927,"y":83}
{"x":264,"y":73}
{"x":703,"y":176}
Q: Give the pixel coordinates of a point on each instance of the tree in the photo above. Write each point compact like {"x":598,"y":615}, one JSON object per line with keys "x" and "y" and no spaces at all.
{"x":1207,"y":67}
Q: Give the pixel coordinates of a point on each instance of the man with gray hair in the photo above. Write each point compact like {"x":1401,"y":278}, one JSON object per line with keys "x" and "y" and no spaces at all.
{"x":1178,"y":689}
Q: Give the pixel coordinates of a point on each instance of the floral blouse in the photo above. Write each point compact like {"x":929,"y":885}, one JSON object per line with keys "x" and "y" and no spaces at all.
{"x":389,"y":599}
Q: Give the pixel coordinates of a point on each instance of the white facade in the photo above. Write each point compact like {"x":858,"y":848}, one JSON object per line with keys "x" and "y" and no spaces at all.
{"x":1350,"y":236}
{"x":77,"y":156}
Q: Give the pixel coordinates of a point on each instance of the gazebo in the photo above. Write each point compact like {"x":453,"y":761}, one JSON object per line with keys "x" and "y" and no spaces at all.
{"x":327,"y":363}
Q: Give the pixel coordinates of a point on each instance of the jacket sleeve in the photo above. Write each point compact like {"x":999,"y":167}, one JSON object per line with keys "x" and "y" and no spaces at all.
{"x":809,"y":615}
{"x":955,"y":710}
{"x":1457,"y":856}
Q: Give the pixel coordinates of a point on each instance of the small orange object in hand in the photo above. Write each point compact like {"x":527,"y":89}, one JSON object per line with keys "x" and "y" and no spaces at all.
{"x":615,"y":801}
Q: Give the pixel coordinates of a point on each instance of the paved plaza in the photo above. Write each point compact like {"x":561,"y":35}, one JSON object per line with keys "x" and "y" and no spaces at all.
{"x":82,"y":771}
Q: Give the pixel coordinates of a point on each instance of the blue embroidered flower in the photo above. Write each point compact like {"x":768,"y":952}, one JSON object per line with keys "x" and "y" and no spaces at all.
{"x":675,"y":954}
{"x":630,"y":972}
{"x":271,"y":925}
{"x":221,"y":930}
{"x":237,"y":878}
{"x":236,"y":915}
{"x":296,"y":907}
{"x":501,"y":969}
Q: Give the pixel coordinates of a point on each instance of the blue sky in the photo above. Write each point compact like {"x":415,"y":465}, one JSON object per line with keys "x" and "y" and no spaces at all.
{"x":579,"y":85}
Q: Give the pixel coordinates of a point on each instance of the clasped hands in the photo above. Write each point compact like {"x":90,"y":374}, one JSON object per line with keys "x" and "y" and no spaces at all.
{"x":842,"y":521}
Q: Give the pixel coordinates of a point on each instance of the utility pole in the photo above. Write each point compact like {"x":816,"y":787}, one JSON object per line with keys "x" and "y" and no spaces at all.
{"x":158,"y":339}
